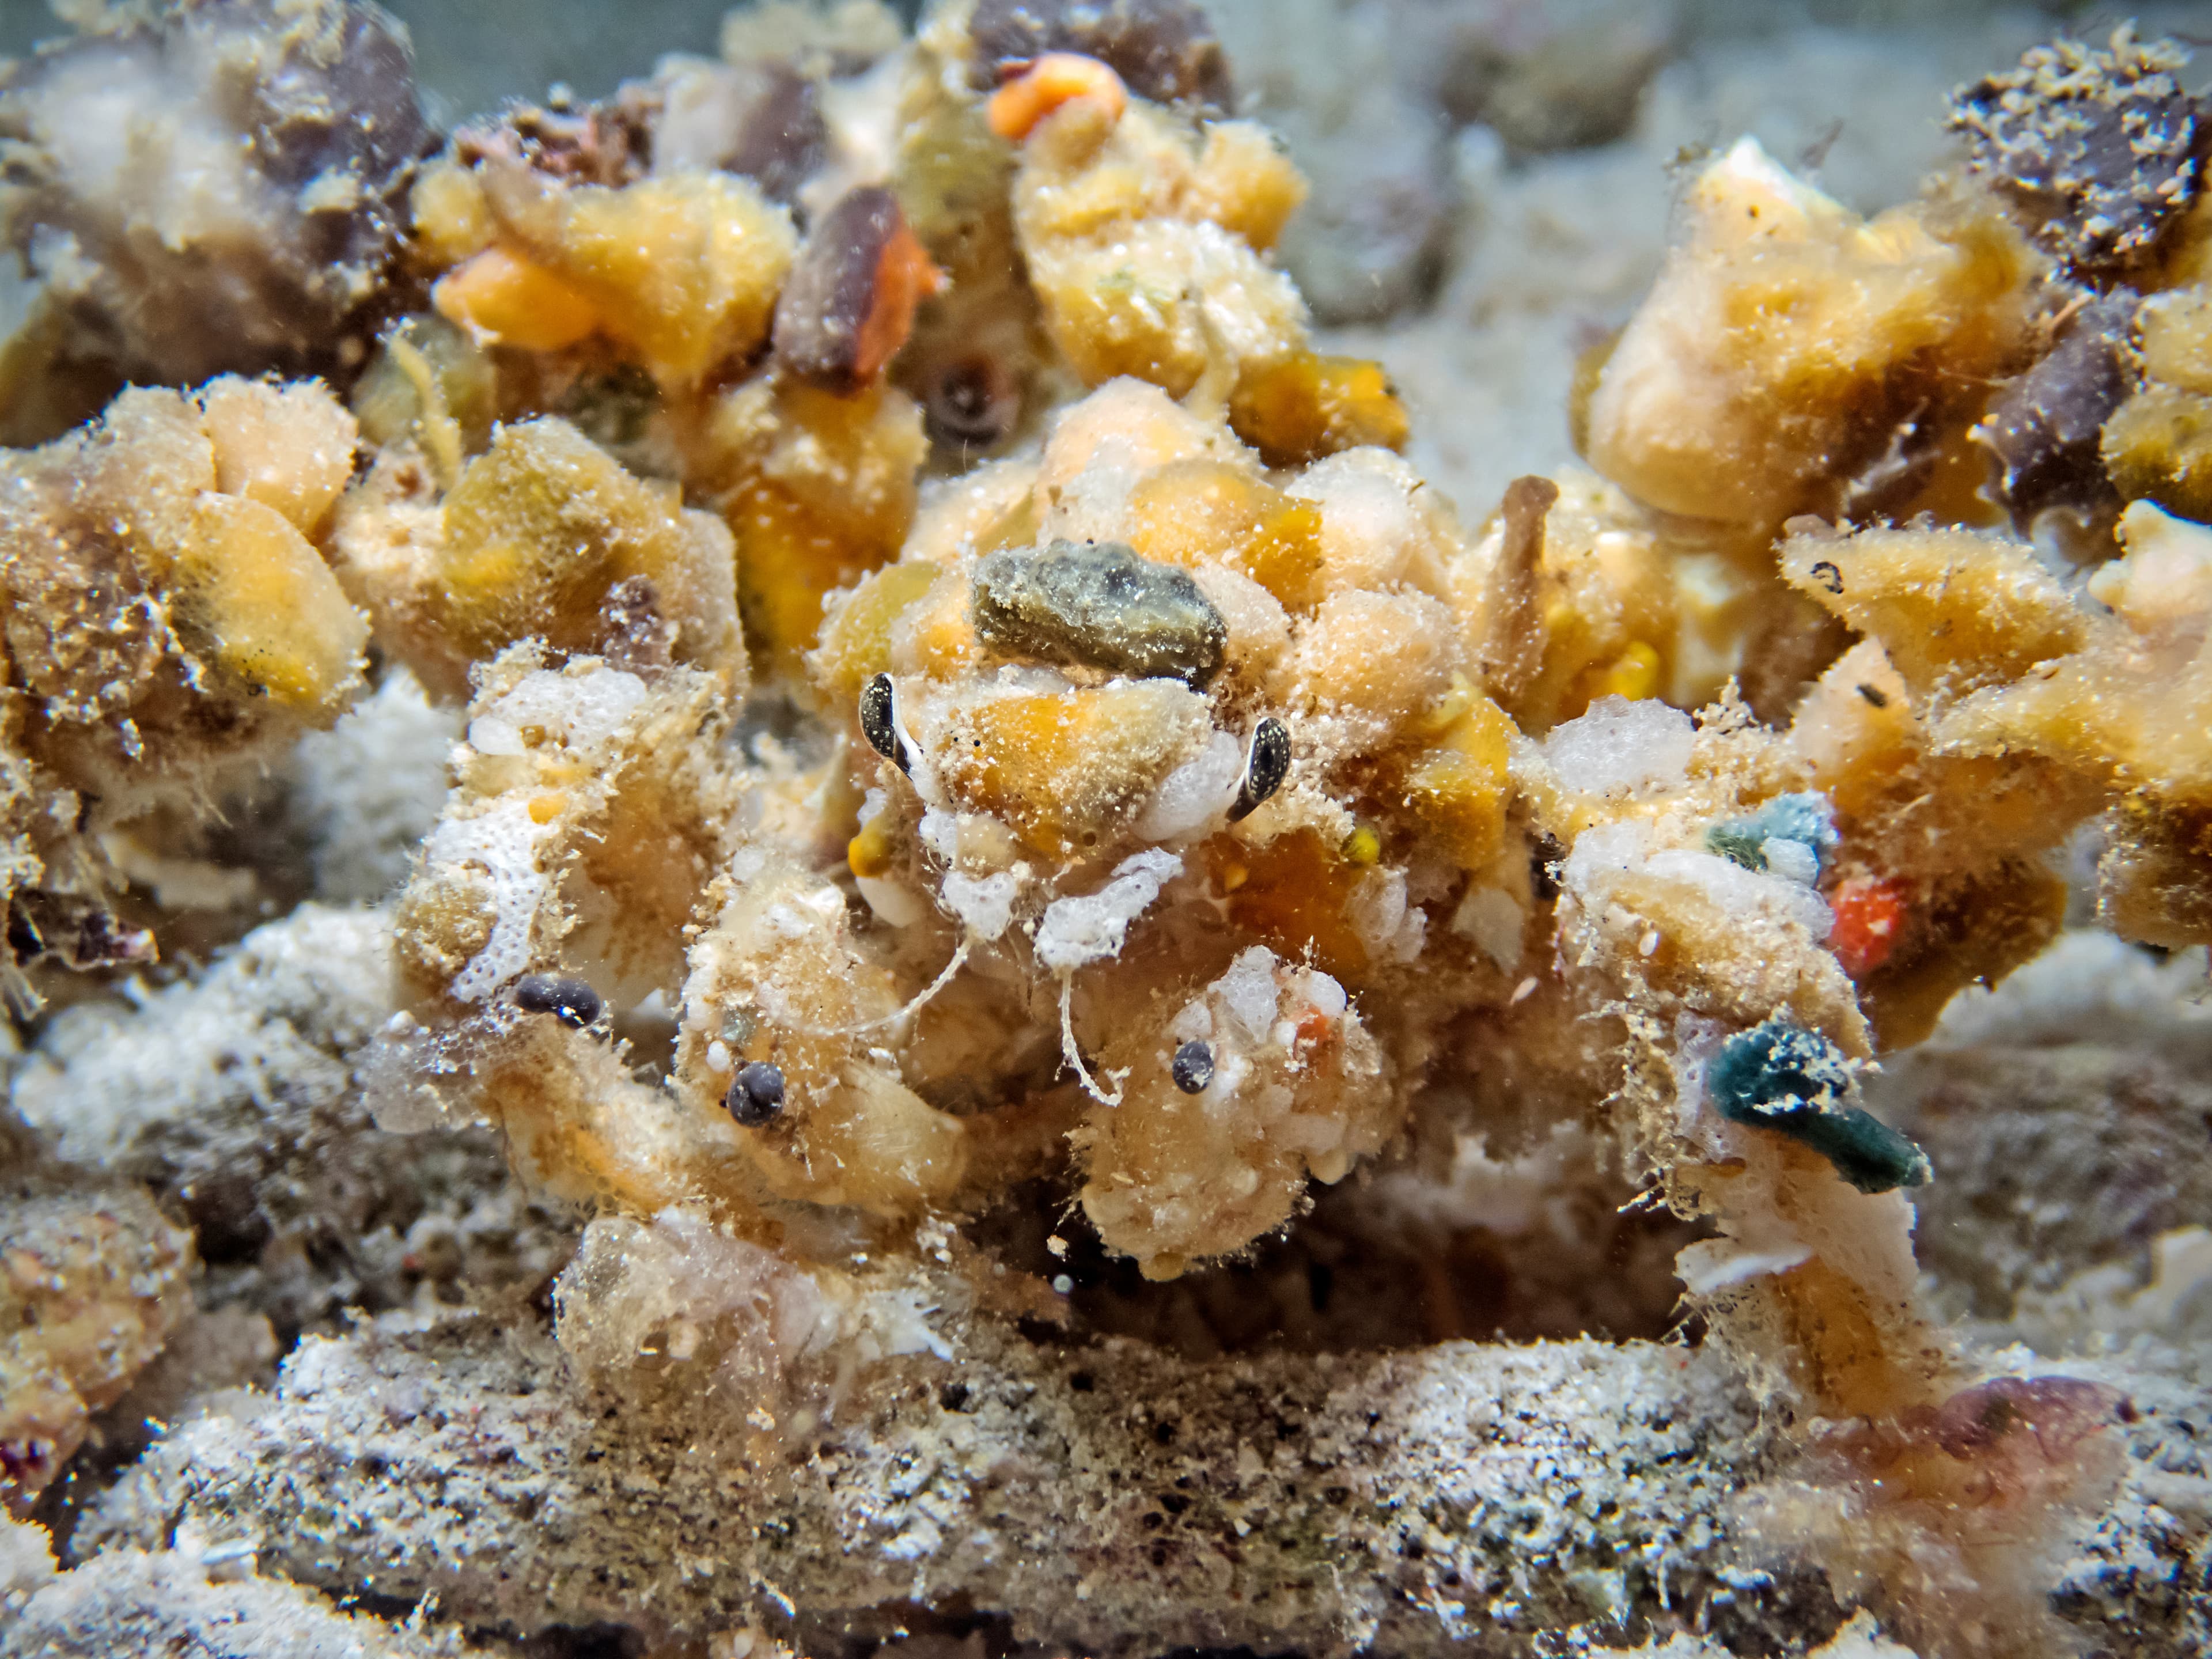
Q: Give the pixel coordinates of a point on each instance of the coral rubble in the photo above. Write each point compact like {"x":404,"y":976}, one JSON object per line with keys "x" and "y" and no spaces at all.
{"x":921,"y":783}
{"x":206,"y":188}
{"x":96,"y":1280}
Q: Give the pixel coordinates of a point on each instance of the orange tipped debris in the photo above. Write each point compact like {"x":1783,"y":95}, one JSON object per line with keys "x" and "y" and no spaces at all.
{"x":904,"y":278}
{"x":849,"y":303}
{"x":504,"y":299}
{"x":1056,"y":78}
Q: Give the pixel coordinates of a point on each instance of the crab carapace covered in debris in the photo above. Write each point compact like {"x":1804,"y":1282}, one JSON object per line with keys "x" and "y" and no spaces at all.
{"x":938,"y":635}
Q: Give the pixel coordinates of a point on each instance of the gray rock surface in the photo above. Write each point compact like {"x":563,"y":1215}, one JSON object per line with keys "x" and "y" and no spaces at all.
{"x":131,"y":1602}
{"x":1111,"y":1499}
{"x":1462,"y":1497}
{"x":2069,"y":1118}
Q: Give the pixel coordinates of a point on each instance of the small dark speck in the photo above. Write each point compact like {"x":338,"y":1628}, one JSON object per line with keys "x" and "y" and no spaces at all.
{"x":1082,"y":1383}
{"x":1829,"y":576}
{"x":1874,"y":695}
{"x":1321,"y":1284}
{"x":1174,"y":1502}
{"x":1192,"y":1066}
{"x":953,"y":1396}
{"x":1544,"y":859}
{"x":1164,"y":1433}
{"x":755,"y":1096}
{"x":1810,"y":158}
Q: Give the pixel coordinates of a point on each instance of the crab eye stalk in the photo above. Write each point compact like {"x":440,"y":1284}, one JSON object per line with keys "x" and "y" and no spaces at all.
{"x":1266,"y":766}
{"x":878,"y":727}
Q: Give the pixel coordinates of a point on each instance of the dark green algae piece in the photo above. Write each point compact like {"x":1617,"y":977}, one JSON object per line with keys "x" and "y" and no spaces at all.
{"x":1097,"y":604}
{"x":1780,"y":1076}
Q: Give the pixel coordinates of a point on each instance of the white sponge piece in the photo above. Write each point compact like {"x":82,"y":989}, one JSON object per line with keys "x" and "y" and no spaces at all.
{"x":1318,"y":992}
{"x":985,"y":906}
{"x":582,"y":710}
{"x":1791,"y":859}
{"x":1378,"y":910}
{"x":1746,"y":895}
{"x":1247,"y":994}
{"x":1075,"y":932}
{"x":1196,"y":792}
{"x":1600,"y":855}
{"x":1604,"y":856}
{"x":503,"y":842}
{"x":1620,"y":746}
{"x":27,"y":1557}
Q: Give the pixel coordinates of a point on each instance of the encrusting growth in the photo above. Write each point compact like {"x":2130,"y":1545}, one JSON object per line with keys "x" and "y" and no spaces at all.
{"x":172,"y":622}
{"x":96,"y":1278}
{"x":236,"y":204}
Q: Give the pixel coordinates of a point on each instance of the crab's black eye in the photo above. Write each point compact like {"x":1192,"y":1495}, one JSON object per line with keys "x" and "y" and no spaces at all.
{"x":1192,"y":1067}
{"x":878,"y":726}
{"x":756,"y":1094}
{"x":569,"y":1000}
{"x":1265,"y":767}
{"x":972,"y":403}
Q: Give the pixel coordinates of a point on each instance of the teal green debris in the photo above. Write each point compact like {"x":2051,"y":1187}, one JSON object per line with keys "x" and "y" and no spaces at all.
{"x":1805,"y":817}
{"x":1780,"y":1076}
